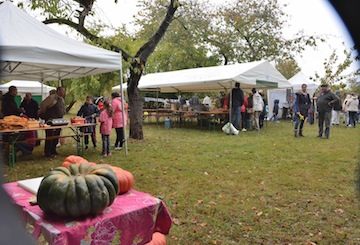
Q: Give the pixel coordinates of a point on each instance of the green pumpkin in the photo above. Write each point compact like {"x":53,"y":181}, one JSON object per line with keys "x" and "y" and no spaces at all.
{"x":78,"y":190}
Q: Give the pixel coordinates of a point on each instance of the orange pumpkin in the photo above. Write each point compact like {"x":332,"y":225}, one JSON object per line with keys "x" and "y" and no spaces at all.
{"x":73,"y":160}
{"x":157,"y":239}
{"x":126,"y":178}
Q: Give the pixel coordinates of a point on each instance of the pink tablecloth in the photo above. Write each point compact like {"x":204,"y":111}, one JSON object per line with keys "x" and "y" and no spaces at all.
{"x":131,"y":219}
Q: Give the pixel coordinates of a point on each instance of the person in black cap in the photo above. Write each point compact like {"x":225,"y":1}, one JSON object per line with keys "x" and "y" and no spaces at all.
{"x":325,"y":103}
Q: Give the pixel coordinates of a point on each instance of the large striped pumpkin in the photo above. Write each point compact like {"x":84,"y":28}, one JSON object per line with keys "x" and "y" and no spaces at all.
{"x":78,"y":190}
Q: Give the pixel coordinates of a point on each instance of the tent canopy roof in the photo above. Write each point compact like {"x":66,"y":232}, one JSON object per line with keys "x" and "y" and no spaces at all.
{"x":260,"y":74}
{"x":33,"y":87}
{"x":30,"y":50}
{"x":299,"y":79}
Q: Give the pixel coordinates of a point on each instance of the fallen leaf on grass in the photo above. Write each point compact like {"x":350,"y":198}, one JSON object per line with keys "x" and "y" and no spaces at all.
{"x":206,"y":173}
{"x":278,"y":209}
{"x":339,"y":231}
{"x":248,"y":228}
{"x":259,"y":213}
{"x":339,"y":211}
{"x":311,"y":243}
{"x":176,"y":221}
{"x":199,"y":201}
{"x":203,"y":224}
{"x":212,"y":202}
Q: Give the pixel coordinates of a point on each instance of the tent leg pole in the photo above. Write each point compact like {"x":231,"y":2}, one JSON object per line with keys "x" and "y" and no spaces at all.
{"x":230,"y":103}
{"x":122,"y":105}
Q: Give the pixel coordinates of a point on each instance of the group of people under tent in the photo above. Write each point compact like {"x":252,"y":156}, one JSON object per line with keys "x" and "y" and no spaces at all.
{"x":108,"y":112}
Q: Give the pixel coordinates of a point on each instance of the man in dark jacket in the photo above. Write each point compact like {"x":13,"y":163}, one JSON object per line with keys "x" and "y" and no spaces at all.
{"x":51,"y":108}
{"x":302,"y":107}
{"x":9,"y":106}
{"x":237,"y":100}
{"x":325,"y":103}
{"x":89,"y":111}
{"x":30,"y":106}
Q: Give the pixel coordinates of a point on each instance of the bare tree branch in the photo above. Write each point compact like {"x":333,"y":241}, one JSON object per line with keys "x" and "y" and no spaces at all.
{"x":148,"y":48}
{"x":82,"y":30}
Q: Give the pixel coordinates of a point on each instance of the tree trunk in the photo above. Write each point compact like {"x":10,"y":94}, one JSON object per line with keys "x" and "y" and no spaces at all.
{"x":135,"y":103}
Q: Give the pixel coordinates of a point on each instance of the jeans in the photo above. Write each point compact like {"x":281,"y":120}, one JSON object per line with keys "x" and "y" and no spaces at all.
{"x":119,"y":137}
{"x":50,"y":145}
{"x":299,"y":122}
{"x":346,"y":117}
{"x":244,"y":118}
{"x":274,"y":116}
{"x":93,"y":138}
{"x":352,"y":118}
{"x":324,"y":117}
{"x":235,"y":117}
{"x":105,"y":143}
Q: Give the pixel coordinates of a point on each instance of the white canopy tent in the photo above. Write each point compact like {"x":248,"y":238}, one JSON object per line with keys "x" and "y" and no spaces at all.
{"x":260,"y":74}
{"x":33,"y":87}
{"x":299,"y":79}
{"x":30,"y":50}
{"x":282,"y":94}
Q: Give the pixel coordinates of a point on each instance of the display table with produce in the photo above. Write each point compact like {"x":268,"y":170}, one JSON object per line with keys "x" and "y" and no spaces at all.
{"x":105,"y":216}
{"x":15,"y":128}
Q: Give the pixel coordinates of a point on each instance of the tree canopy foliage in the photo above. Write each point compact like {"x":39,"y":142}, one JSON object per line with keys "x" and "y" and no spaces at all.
{"x":178,"y":34}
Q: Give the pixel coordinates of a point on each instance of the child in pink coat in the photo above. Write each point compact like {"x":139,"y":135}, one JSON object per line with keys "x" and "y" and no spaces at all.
{"x":105,"y":128}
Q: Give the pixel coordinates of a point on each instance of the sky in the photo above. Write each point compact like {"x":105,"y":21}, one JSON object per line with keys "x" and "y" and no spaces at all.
{"x":314,"y":17}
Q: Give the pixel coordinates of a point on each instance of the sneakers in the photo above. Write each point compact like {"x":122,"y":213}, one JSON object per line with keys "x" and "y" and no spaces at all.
{"x":118,"y":148}
{"x":244,"y":130}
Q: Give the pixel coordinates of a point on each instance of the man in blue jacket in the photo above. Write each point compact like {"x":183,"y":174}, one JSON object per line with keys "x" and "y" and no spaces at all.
{"x":89,"y":111}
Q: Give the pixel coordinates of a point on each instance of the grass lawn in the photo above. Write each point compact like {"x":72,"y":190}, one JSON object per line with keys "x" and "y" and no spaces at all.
{"x":255,"y":188}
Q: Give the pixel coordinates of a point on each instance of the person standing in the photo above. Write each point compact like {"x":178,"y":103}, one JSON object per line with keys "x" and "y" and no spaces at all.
{"x":51,"y":108}
{"x":30,"y":106}
{"x":335,"y":114}
{"x":106,"y":123}
{"x":89,"y":111}
{"x":352,"y":108}
{"x":303,"y":104}
{"x":237,"y":100}
{"x":118,"y":121}
{"x":345,"y":111}
{"x":258,"y":106}
{"x":264,"y":112}
{"x":244,"y":114}
{"x":275,"y":111}
{"x":9,"y":106}
{"x":325,"y":102}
